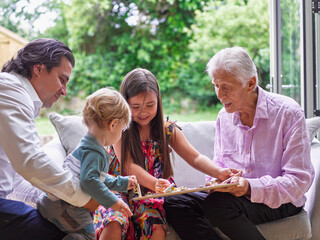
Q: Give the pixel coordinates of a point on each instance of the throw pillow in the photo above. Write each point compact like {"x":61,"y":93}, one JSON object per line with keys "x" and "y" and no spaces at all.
{"x":70,"y":130}
{"x":313,"y":126}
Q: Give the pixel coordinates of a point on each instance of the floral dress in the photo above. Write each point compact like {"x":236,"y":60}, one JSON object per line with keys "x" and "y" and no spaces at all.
{"x":146,"y":212}
{"x":102,"y":216}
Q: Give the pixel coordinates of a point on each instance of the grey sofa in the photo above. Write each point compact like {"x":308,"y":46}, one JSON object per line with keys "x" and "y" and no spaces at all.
{"x":201,"y":135}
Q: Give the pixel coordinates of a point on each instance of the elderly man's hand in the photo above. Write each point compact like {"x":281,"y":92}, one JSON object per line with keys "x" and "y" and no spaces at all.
{"x":243,"y":188}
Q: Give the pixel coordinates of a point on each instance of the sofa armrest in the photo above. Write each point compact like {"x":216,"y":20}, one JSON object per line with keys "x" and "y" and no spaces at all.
{"x":312,"y":205}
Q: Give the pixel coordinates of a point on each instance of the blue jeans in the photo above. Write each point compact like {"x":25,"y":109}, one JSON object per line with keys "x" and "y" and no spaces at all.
{"x":21,"y":221}
{"x":75,"y":221}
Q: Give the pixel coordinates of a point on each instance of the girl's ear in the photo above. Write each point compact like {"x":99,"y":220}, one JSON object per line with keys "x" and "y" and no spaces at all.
{"x":113,"y":124}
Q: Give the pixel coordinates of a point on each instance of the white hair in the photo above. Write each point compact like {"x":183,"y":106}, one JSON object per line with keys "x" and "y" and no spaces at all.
{"x":235,"y":61}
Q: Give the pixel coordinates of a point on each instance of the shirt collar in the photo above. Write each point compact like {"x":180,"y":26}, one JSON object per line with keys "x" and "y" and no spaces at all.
{"x":261,"y":108}
{"x":32,"y":93}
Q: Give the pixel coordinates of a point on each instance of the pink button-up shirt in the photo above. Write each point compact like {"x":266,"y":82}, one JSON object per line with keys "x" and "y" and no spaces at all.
{"x":274,"y":154}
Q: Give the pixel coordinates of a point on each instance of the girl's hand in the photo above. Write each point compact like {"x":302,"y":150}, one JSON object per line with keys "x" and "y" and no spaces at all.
{"x":161,"y":184}
{"x":122,"y":207}
{"x":225,"y":173}
{"x":132,"y":182}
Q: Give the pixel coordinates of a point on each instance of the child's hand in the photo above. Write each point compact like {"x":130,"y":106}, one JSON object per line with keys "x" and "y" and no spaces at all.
{"x":132,"y":182}
{"x":161,"y":184}
{"x":122,"y":207}
{"x":225,"y":173}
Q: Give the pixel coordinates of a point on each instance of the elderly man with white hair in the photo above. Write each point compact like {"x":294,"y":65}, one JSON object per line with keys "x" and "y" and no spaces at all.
{"x":263,"y":135}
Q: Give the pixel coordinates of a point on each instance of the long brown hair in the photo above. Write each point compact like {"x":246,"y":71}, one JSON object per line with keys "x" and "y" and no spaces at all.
{"x":138,"y":81}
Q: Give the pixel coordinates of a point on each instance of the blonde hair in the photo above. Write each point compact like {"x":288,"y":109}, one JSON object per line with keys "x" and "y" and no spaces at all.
{"x":105,"y":105}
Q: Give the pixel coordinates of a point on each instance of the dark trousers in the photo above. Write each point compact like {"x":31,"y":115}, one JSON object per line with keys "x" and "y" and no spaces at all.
{"x":20,"y":221}
{"x":185,"y":214}
{"x":236,"y":217}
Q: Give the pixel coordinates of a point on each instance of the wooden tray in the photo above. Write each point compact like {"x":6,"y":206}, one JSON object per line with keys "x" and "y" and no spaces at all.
{"x":185,"y":191}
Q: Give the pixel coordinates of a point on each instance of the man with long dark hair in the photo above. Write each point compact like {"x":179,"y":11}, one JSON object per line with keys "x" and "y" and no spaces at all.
{"x":35,"y":78}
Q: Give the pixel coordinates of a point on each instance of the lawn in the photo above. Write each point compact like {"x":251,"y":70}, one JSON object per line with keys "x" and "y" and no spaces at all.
{"x":45,"y":127}
{"x":194,"y":117}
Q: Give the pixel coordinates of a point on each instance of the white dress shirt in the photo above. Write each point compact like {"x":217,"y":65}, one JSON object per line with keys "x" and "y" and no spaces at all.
{"x":19,"y":145}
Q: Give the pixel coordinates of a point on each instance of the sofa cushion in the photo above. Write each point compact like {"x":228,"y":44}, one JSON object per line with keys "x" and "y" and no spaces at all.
{"x":201,"y":137}
{"x":295,"y":227}
{"x":70,"y":130}
{"x":313,"y":126}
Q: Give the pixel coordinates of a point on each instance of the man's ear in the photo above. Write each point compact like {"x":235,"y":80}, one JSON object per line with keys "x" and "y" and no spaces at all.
{"x":37,"y":69}
{"x":252,"y":83}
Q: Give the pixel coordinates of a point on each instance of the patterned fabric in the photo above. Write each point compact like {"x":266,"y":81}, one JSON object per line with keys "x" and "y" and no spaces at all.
{"x":146,"y":212}
{"x":102,"y":216}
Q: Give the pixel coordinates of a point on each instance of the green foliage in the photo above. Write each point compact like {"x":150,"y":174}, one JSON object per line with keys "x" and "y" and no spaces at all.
{"x":108,"y":45}
{"x":16,"y":15}
{"x":174,"y":39}
{"x":60,"y":30}
{"x":7,"y":7}
{"x":226,"y":24}
{"x":290,"y":34}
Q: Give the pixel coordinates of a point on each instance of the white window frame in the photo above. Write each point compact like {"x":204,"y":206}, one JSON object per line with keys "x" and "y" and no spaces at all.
{"x":310,"y":53}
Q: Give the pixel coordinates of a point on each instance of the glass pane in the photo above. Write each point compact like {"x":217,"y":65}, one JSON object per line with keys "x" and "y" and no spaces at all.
{"x":317,"y":61}
{"x":290,"y":38}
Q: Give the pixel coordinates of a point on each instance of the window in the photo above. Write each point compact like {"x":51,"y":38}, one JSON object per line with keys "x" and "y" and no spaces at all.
{"x":285,"y":48}
{"x":295,"y":51}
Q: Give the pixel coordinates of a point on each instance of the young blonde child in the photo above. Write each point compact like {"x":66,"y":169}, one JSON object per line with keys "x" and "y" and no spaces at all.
{"x":144,"y":152}
{"x":106,"y":114}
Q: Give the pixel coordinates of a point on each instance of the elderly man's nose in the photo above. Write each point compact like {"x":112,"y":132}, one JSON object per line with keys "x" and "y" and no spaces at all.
{"x":218,"y":92}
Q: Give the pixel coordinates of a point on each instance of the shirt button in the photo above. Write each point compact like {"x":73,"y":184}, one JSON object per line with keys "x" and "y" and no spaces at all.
{"x":248,"y":170}
{"x":248,"y":151}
